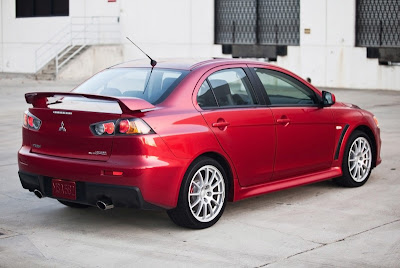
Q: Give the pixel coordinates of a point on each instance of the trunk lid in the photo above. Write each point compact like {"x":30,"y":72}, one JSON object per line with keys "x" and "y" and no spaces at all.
{"x":67,"y":119}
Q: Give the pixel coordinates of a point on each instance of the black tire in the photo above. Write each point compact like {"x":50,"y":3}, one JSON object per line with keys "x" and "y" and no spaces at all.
{"x":72,"y":204}
{"x":362,"y":161}
{"x":196,"y":190}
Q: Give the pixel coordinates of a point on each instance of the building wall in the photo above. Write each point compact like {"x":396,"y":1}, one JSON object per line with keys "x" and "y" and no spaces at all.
{"x":21,"y":37}
{"x":1,"y":35}
{"x":91,"y":61}
{"x":328,"y":54}
{"x":174,"y":28}
{"x":185,"y":28}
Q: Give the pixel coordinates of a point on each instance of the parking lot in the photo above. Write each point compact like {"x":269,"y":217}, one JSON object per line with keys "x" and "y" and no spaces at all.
{"x":310,"y":226}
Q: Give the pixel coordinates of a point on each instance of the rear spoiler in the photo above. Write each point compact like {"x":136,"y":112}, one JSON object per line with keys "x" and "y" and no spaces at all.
{"x":128,"y":105}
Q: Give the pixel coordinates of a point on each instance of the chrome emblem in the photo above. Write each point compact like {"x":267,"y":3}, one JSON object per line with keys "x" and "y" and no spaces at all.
{"x":62,"y":128}
{"x":62,"y":112}
{"x":98,"y":153}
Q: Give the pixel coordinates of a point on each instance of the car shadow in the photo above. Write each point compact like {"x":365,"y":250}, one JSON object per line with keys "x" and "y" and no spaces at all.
{"x":95,"y":220}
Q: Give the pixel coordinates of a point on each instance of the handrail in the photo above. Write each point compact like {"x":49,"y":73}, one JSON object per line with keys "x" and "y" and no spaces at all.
{"x":80,"y":31}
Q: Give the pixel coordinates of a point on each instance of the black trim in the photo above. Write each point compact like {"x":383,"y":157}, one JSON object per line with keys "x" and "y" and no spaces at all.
{"x":89,"y":193}
{"x":340,"y":141}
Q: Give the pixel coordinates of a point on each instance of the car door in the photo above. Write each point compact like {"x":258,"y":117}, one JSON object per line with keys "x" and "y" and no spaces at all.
{"x":304,"y":130}
{"x":244,"y":129}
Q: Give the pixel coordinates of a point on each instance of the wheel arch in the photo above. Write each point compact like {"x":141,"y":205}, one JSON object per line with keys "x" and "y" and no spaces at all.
{"x":365,"y":129}
{"x":227,"y":167}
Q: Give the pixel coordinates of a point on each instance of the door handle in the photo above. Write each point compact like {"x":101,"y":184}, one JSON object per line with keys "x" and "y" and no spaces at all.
{"x":283,"y":121}
{"x":220,"y":124}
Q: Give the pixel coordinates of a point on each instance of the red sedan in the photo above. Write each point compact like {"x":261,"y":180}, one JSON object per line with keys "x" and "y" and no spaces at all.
{"x":190,"y":136}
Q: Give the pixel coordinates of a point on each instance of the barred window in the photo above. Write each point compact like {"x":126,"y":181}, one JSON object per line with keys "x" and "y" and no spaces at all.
{"x":41,"y":8}
{"x":266,"y":22}
{"x":378,"y":23}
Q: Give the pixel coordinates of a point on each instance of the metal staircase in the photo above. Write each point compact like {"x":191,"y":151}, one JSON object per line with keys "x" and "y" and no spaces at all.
{"x":73,"y":39}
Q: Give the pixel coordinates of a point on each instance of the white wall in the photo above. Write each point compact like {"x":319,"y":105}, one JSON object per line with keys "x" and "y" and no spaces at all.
{"x":89,"y":8}
{"x":91,"y":61}
{"x":328,"y":54}
{"x":185,"y":28}
{"x":21,"y":37}
{"x":174,"y":28}
{"x":1,"y":35}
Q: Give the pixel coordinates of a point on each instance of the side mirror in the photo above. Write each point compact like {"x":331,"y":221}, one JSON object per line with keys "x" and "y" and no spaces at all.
{"x":328,"y":98}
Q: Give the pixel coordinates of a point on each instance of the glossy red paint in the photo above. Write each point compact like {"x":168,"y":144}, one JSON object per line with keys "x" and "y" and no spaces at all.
{"x":263,"y":147}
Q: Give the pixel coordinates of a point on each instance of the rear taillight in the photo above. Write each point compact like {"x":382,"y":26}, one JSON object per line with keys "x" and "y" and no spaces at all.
{"x":31,"y":121}
{"x":128,"y":126}
{"x":134,"y":126}
{"x":104,"y":128}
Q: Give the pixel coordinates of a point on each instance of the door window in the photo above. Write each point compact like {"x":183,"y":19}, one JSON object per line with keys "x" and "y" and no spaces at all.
{"x":285,"y":90}
{"x":205,"y":97}
{"x":229,"y":87}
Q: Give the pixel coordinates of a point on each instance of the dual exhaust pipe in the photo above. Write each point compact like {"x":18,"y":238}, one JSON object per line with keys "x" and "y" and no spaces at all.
{"x":38,"y":193}
{"x":103,"y":204}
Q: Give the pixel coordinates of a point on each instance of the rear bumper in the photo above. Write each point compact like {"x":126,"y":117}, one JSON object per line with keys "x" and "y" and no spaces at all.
{"x":89,"y":193}
{"x":150,"y":179}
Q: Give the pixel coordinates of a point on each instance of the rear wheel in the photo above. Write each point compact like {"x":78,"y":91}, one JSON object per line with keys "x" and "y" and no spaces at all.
{"x":72,"y":204}
{"x":357,"y":160}
{"x":202,"y":197}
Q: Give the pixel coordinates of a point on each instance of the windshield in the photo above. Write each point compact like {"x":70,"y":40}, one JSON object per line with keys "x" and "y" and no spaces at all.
{"x":133,"y":82}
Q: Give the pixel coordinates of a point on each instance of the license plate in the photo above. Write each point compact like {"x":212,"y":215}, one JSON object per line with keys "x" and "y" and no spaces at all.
{"x":64,"y":189}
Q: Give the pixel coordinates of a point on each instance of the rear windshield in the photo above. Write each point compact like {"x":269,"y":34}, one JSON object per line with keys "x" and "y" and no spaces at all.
{"x":133,"y":82}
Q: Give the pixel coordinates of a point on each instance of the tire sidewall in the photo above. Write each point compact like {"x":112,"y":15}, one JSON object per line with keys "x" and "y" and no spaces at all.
{"x":183,"y":202}
{"x":345,"y":165}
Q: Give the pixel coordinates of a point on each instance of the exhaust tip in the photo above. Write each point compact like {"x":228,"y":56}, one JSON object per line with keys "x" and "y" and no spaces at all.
{"x":104,"y":205}
{"x":38,"y":193}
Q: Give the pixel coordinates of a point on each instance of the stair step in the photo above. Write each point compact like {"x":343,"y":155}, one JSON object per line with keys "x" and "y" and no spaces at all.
{"x":45,"y":76}
{"x":49,"y":71}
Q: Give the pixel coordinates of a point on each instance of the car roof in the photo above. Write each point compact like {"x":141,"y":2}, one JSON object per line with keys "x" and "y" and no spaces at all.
{"x":185,"y":64}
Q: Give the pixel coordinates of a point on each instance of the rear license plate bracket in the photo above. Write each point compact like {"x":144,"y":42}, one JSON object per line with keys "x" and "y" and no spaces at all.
{"x":63,"y":189}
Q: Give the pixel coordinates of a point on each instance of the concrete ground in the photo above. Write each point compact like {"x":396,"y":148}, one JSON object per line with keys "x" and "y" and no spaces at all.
{"x":320,"y":225}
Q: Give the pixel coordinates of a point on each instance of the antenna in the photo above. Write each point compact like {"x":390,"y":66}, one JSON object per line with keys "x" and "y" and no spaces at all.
{"x":152,"y":62}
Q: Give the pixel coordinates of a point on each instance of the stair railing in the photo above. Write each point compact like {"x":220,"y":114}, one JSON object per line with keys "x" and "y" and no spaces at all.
{"x":75,"y":36}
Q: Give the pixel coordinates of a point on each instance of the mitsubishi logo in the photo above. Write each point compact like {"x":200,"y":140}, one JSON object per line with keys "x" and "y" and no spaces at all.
{"x":62,"y":128}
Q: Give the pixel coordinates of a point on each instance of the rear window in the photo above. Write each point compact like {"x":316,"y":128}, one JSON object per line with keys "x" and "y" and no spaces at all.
{"x":134,"y":82}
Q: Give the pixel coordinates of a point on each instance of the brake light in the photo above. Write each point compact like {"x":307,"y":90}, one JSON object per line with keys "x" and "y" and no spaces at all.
{"x":31,"y":121}
{"x":123,"y":126}
{"x":134,"y":126}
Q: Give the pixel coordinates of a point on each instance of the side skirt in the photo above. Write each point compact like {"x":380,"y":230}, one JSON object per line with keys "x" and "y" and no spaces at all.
{"x":246,"y":192}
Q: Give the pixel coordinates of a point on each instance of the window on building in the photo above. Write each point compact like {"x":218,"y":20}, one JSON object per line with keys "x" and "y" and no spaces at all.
{"x":377,"y":23}
{"x":263,"y":22}
{"x":41,"y":8}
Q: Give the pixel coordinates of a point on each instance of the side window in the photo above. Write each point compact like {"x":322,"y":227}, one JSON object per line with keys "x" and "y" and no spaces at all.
{"x":205,"y":97}
{"x":231,"y":87}
{"x":285,"y":90}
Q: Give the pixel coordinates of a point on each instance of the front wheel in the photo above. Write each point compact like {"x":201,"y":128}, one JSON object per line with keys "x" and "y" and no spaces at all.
{"x":357,"y":160}
{"x":202,"y":197}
